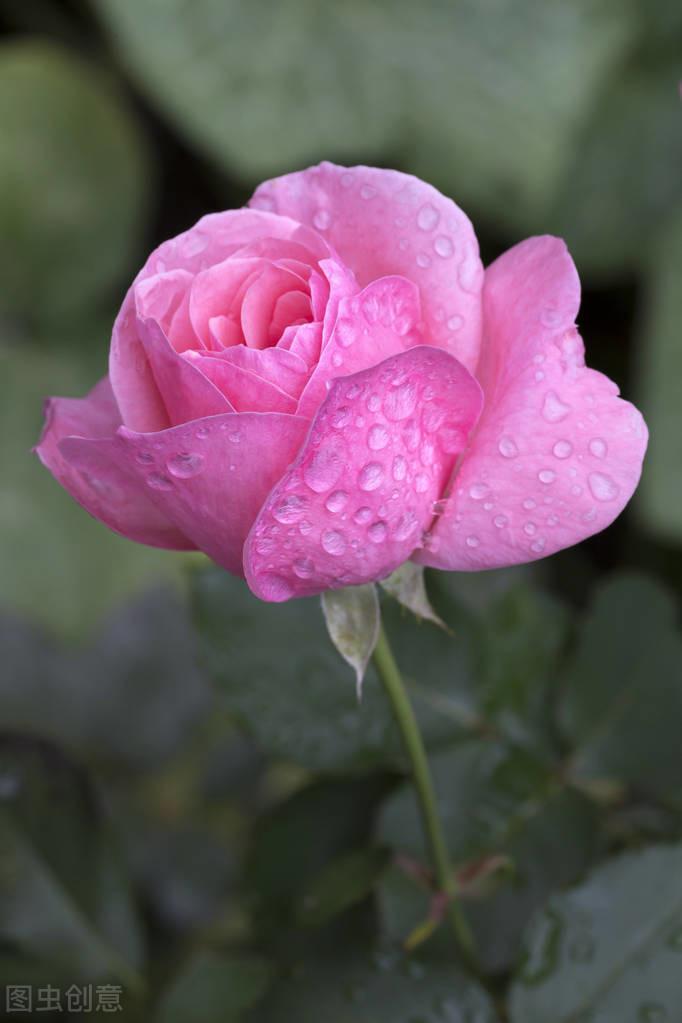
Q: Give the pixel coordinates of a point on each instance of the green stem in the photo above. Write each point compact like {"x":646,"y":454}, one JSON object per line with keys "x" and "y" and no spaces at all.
{"x":414,"y":747}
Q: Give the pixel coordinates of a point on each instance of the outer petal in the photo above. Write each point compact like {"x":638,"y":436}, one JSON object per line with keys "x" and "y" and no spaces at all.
{"x":354,"y":505}
{"x":210,"y":241}
{"x":557,"y":453}
{"x":105,"y":487}
{"x":377,"y":323}
{"x":211,"y":477}
{"x":384,"y":222}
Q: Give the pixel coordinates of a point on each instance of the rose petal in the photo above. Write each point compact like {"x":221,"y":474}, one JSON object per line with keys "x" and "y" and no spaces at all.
{"x":186,"y":392}
{"x":260,"y":299}
{"x":211,"y":477}
{"x":370,"y":327}
{"x":219,"y":291}
{"x":277,"y":366}
{"x":243,"y":390}
{"x":383,"y":222}
{"x":557,"y":454}
{"x":354,"y":505}
{"x":106,"y":489}
{"x":165,"y":298}
{"x":210,"y":241}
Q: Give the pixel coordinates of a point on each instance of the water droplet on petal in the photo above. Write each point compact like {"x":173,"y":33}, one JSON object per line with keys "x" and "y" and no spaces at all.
{"x":562,"y":449}
{"x":344,"y":332}
{"x":455,"y":323}
{"x":374,"y":402}
{"x":323,"y":470}
{"x":377,"y":532}
{"x":371,"y":476}
{"x":500,"y":521}
{"x":478,"y":491}
{"x":322,"y":219}
{"x":377,"y":438}
{"x":399,"y":468}
{"x":304,"y":567}
{"x":362,"y":515}
{"x":144,"y":457}
{"x":598,"y":447}
{"x":334,"y":542}
{"x":421,"y":483}
{"x":400,"y":402}
{"x":423,"y":260}
{"x":507,"y":447}
{"x":406,"y":526}
{"x":336,"y":501}
{"x":553,"y":408}
{"x":443,"y":247}
{"x":428,"y":217}
{"x":157,"y":481}
{"x":472,"y":541}
{"x":603,"y":487}
{"x":185,"y":465}
{"x":289,"y":509}
{"x":203,"y":432}
{"x":546,"y":476}
{"x":529,"y":504}
{"x":538,"y":545}
{"x":530,"y":529}
{"x":367,"y":192}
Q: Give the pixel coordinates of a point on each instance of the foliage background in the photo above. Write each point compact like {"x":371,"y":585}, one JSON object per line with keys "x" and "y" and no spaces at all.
{"x":191,"y":802}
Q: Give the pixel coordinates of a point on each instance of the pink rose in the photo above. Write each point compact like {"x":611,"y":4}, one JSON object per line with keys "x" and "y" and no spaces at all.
{"x":319,"y":387}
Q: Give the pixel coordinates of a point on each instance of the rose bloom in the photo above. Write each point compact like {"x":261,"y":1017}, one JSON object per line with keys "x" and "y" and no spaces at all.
{"x":320,"y":386}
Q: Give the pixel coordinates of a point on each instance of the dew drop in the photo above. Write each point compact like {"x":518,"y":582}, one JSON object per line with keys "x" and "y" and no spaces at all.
{"x":362,"y":515}
{"x":304,"y":567}
{"x":202,"y":433}
{"x":322,"y":219}
{"x":539,"y":375}
{"x":337,"y":359}
{"x":507,"y":447}
{"x":367,"y":192}
{"x":443,"y":247}
{"x":289,"y":509}
{"x":336,"y":501}
{"x":377,"y":438}
{"x":144,"y":457}
{"x":428,"y":217}
{"x":377,"y":532}
{"x":472,"y":541}
{"x":562,"y":449}
{"x":530,"y":529}
{"x":400,"y":402}
{"x":598,"y":447}
{"x":553,"y":520}
{"x":399,"y":468}
{"x":546,"y":476}
{"x":305,"y":527}
{"x":344,"y":332}
{"x":500,"y":521}
{"x":603,"y":487}
{"x":538,"y":545}
{"x":323,"y":470}
{"x":334,"y":542}
{"x":157,"y":481}
{"x":553,"y":408}
{"x":406,"y":525}
{"x":421,"y":483}
{"x":529,"y":504}
{"x":371,"y":476}
{"x":478,"y":491}
{"x":455,"y":323}
{"x":185,"y":465}
{"x":423,"y":260}
{"x":374,"y":402}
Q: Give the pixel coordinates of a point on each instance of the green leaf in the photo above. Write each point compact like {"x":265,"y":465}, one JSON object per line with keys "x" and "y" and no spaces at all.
{"x":659,"y":499}
{"x":617,"y":193}
{"x":262,"y":87}
{"x":353,"y":621}
{"x":609,"y":949}
{"x":622,"y":700}
{"x":342,"y":883}
{"x":492,"y":800}
{"x":63,"y":898}
{"x":214,"y":988}
{"x":59,"y":566}
{"x":81,"y":699}
{"x":73,"y":183}
{"x":389,"y":990}
{"x":407,"y":586}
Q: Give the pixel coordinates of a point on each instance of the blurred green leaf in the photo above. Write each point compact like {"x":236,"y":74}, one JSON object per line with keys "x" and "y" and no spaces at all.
{"x":659,"y":500}
{"x":491,"y":800}
{"x":389,"y":990}
{"x":341,"y":884}
{"x":353,"y":620}
{"x":262,"y":87}
{"x":484,"y":99}
{"x":609,"y":949}
{"x":58,"y":565}
{"x":143,"y":659}
{"x":625,"y":174}
{"x":74,"y":177}
{"x":214,"y":988}
{"x":622,"y":699}
{"x":63,"y":897}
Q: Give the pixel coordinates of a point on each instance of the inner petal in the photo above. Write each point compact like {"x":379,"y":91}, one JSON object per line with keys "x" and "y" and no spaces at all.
{"x":291,"y":309}
{"x":260,"y":299}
